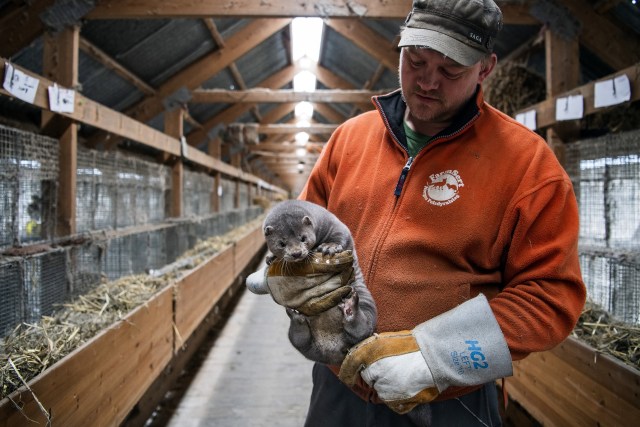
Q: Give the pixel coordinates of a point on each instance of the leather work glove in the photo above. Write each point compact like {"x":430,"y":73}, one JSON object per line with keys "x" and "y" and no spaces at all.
{"x":461,"y":347}
{"x":309,"y":287}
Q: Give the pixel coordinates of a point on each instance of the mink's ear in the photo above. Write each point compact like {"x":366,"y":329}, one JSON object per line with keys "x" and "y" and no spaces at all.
{"x":306,"y":220}
{"x":268,"y":230}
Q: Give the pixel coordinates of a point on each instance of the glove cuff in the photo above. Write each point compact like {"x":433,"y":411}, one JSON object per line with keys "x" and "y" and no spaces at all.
{"x":257,"y":282}
{"x":464,"y":346}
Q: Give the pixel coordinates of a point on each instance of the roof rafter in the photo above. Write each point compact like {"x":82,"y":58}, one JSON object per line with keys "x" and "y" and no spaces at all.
{"x":261,"y":95}
{"x":514,"y":11}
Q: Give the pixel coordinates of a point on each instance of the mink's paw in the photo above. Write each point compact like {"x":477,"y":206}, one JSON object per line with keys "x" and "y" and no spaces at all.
{"x":330,"y":248}
{"x":270,"y":258}
{"x":296,"y":316}
{"x":349,"y":306}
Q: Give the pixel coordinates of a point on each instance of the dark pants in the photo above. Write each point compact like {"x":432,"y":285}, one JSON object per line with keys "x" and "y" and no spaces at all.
{"x":333,"y":405}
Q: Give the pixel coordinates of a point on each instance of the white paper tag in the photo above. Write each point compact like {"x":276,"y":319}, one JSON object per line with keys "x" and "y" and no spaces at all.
{"x":612,"y":92}
{"x":61,"y":100}
{"x":570,"y":108}
{"x":19,"y":84}
{"x":528,"y":118}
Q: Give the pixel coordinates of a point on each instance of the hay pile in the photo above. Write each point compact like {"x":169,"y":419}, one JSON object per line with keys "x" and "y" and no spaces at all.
{"x":512,"y":87}
{"x":609,"y":336}
{"x":32,"y":348}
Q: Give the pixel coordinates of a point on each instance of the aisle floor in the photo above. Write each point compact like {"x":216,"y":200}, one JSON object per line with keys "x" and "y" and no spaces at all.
{"x":252,"y":375}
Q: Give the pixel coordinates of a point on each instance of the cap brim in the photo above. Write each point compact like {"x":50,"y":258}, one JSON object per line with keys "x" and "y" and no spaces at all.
{"x":443,"y":43}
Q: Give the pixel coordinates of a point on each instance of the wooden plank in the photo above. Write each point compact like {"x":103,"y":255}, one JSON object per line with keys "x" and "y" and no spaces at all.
{"x":198,"y":291}
{"x":275,"y":81}
{"x":119,"y":9}
{"x":97,"y":115}
{"x":191,"y":77}
{"x":262,"y":95}
{"x":246,"y":248}
{"x":546,"y":110}
{"x":619,"y":48}
{"x":368,"y":40}
{"x":514,"y":12}
{"x":621,"y":379}
{"x":559,"y":389}
{"x":91,"y":113}
{"x":284,"y":128}
{"x":110,"y":63}
{"x":97,"y":385}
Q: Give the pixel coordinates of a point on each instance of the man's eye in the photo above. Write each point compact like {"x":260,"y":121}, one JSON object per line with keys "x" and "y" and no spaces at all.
{"x":451,"y":76}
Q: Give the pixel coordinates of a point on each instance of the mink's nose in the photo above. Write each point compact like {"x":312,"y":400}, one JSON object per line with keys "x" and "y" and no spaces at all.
{"x":296,"y":255}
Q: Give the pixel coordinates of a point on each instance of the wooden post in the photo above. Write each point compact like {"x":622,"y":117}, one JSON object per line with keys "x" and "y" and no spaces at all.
{"x":563,"y":74}
{"x":215,"y":151}
{"x":60,"y":64}
{"x":174,"y":126}
{"x":235,"y":162}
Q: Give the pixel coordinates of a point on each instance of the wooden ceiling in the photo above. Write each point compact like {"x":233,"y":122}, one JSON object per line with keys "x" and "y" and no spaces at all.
{"x":591,"y":23}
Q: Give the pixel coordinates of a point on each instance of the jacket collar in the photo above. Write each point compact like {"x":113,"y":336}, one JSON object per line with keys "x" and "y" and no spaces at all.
{"x":392,"y":107}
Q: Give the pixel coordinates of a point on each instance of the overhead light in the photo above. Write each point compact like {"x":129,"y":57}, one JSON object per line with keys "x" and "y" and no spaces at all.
{"x":306,"y":35}
{"x":301,"y":152}
{"x":304,"y":110}
{"x":302,"y":138}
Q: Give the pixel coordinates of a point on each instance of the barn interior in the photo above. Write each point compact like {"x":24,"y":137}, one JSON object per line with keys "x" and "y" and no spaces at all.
{"x":142,"y":142}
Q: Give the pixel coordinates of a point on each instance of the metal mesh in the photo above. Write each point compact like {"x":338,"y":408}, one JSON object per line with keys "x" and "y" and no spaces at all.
{"x":114,"y":191}
{"x":227,"y":194}
{"x":45,"y":282}
{"x":606,"y":175}
{"x":28,"y":175}
{"x":197,"y":189}
{"x":11,"y":297}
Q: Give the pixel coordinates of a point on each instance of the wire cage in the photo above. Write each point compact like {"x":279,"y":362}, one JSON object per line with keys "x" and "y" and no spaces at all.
{"x":605,"y":172}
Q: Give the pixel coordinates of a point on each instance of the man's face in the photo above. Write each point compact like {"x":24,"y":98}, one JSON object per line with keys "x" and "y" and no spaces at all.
{"x":436,"y":87}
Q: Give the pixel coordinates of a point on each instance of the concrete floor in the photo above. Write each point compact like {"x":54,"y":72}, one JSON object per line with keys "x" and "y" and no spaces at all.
{"x":252,"y":375}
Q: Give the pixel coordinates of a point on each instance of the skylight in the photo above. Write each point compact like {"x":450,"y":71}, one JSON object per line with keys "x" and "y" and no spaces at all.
{"x":306,"y":35}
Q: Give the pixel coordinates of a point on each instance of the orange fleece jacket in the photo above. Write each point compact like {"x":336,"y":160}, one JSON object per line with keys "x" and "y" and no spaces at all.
{"x":484,"y":207}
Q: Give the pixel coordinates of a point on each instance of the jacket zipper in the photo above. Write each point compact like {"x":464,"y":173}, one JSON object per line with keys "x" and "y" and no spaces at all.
{"x":403,"y":177}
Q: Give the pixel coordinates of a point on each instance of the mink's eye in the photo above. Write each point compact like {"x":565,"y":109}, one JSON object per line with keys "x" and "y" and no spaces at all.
{"x":303,"y":238}
{"x":281,"y":244}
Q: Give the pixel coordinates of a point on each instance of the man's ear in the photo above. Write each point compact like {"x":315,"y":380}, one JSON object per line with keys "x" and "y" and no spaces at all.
{"x":268,"y":230}
{"x":487,"y":67}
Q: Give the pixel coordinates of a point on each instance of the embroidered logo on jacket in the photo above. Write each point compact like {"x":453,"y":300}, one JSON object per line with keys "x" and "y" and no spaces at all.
{"x":443,"y":189}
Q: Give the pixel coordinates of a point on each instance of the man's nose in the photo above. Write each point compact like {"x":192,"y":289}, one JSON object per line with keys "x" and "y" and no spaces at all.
{"x":428,"y":80}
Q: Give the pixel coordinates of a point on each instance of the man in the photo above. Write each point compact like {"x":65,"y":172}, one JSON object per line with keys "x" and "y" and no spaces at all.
{"x":465,"y":226}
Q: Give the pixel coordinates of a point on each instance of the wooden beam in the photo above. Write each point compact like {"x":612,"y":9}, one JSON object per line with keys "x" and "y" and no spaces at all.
{"x":275,"y":81}
{"x":326,"y":111}
{"x":618,"y":48}
{"x":292,"y":128}
{"x":174,"y":126}
{"x":333,"y":81}
{"x":146,"y":9}
{"x":200,"y":71}
{"x":111,"y":64}
{"x":368,"y":40}
{"x":91,"y":113}
{"x":562,"y":60}
{"x":545,"y":110}
{"x":514,"y":12}
{"x":261,"y":95}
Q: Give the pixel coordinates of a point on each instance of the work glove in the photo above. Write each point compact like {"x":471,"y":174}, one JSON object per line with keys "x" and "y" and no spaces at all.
{"x":310,"y":287}
{"x":461,"y":347}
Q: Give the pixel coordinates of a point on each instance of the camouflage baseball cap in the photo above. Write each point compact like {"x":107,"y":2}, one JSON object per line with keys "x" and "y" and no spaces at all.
{"x":464,"y":30}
